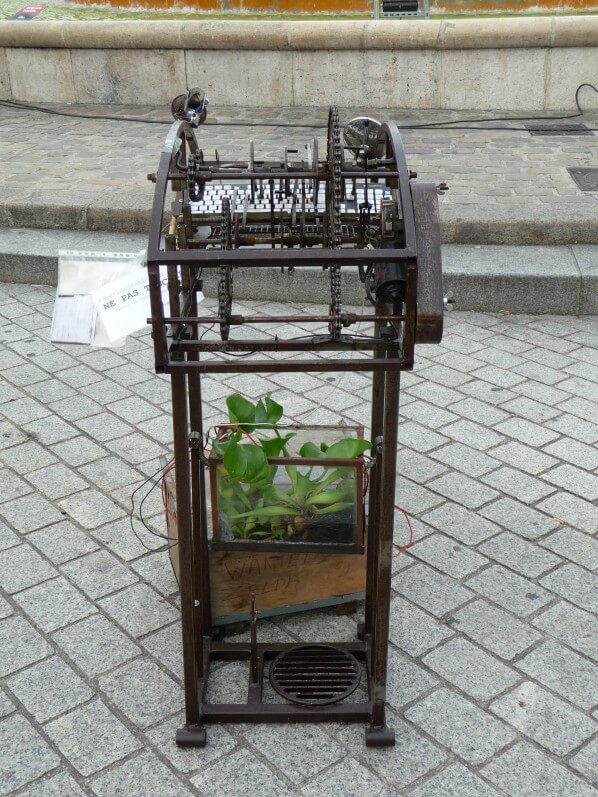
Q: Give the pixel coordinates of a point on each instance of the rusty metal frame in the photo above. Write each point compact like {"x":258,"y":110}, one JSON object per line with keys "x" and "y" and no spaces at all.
{"x":180,"y":352}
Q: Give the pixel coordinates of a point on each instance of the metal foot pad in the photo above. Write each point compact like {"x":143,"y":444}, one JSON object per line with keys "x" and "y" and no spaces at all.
{"x":361,"y":631}
{"x":191,"y":736}
{"x":379,"y":737}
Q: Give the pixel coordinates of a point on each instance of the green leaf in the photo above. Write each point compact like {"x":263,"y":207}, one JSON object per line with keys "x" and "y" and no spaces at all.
{"x":272,"y":448}
{"x":240,"y":410}
{"x":268,"y":411}
{"x":330,"y":497}
{"x":244,"y":462}
{"x":347,"y":448}
{"x":265,"y":511}
{"x":329,"y":510}
{"x":310,"y":450}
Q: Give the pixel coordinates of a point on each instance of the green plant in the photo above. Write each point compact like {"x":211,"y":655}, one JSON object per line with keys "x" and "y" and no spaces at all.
{"x":253,"y":504}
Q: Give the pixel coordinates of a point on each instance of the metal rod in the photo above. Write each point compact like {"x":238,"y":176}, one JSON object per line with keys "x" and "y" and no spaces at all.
{"x":286,"y":319}
{"x":266,"y":258}
{"x":280,"y":366}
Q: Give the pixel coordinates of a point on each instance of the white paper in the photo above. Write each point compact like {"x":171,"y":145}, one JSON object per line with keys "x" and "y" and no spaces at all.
{"x":123,"y":304}
{"x":74,"y":319}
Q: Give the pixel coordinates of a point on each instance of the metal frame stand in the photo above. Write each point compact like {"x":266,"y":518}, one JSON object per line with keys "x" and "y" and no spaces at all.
{"x":180,"y":350}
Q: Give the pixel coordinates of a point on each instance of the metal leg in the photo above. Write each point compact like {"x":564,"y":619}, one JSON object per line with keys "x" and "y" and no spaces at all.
{"x":183,"y":495}
{"x":378,"y":734}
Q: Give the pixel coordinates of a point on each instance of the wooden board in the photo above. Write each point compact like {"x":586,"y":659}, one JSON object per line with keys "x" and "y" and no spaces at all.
{"x":282,"y":582}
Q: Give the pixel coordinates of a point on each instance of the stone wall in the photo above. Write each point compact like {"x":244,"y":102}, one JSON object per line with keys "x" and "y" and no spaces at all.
{"x":511,"y":63}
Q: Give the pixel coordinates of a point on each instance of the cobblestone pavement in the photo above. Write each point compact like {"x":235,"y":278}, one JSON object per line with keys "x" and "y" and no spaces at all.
{"x":494,"y":635}
{"x":56,"y":171}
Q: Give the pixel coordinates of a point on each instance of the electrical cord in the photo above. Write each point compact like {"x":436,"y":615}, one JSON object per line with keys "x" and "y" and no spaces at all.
{"x":455,"y":124}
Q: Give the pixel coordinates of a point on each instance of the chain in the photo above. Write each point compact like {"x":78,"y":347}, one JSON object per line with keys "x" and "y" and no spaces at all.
{"x":335,"y":160}
{"x":225,"y":273}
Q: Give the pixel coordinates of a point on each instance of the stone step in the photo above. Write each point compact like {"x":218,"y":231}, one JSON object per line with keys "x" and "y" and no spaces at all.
{"x":520,"y":279}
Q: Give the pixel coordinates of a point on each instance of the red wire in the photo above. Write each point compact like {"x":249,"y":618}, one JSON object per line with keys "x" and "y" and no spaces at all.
{"x":403,"y":548}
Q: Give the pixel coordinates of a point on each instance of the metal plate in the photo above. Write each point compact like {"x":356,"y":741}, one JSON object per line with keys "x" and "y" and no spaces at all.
{"x":549,"y":129}
{"x":315,"y":675}
{"x":585,"y":179}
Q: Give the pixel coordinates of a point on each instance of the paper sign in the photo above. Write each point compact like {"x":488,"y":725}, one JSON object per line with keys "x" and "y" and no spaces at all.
{"x":124,"y":304}
{"x":74,"y":319}
{"x":28,"y":12}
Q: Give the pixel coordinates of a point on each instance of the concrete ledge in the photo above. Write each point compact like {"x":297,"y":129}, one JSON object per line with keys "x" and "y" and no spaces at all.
{"x":234,"y":35}
{"x":565,"y":226}
{"x":523,"y":279}
{"x":528,"y":63}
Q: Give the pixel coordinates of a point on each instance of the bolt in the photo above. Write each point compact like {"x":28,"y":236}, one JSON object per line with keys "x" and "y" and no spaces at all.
{"x":152,"y":177}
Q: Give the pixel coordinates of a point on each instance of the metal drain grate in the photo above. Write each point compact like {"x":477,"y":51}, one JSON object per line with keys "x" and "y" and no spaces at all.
{"x":559,"y":130}
{"x":585,"y":179}
{"x":315,"y":675}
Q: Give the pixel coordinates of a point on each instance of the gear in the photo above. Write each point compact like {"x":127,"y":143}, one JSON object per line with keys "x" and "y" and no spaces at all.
{"x":334,"y":192}
{"x":225,"y":274}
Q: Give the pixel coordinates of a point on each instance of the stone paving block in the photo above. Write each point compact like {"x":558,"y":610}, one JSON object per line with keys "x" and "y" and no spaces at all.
{"x":471,"y":669}
{"x":300,"y":751}
{"x":406,"y":681}
{"x":460,"y":725}
{"x":20,"y":645}
{"x":456,"y":781}
{"x":428,"y":414}
{"x":574,"y":545}
{"x":119,"y":539}
{"x":49,"y":688}
{"x":24,"y":754}
{"x":54,"y":604}
{"x":5,"y":608}
{"x":415,"y":498}
{"x":448,"y":556}
{"x":511,"y":591}
{"x":78,"y":451}
{"x":12,"y":437}
{"x":586,"y":761}
{"x":571,"y":625}
{"x":458,"y":522}
{"x":546,"y":719}
{"x":522,"y":519}
{"x":59,"y":785}
{"x":472,"y":434}
{"x":128,"y":688}
{"x":412,"y":756}
{"x":463,"y":490}
{"x":238,"y":774}
{"x":140,"y":776}
{"x":24,"y":410}
{"x":91,"y":737}
{"x":29,"y":513}
{"x":8,"y":538}
{"x":420,"y":467}
{"x":50,"y":430}
{"x":56,"y":481}
{"x":565,"y":672}
{"x":570,"y":425}
{"x":90,"y":508}
{"x":524,"y":770}
{"x":513,"y":482}
{"x":575,"y":584}
{"x":433,"y":591}
{"x":346,"y":779}
{"x":414,"y":631}
{"x":98,"y":574}
{"x":103,"y":427}
{"x":95,"y":645}
{"x":574,"y":480}
{"x":61,"y":542}
{"x":526,"y":432}
{"x":520,"y":555}
{"x":586,"y":410}
{"x":523,"y":457}
{"x":571,"y":509}
{"x":24,"y":457}
{"x":12,"y":485}
{"x":109,"y":473}
{"x":220,"y":742}
{"x":465,"y":459}
{"x":139,"y":610}
{"x":497,"y":376}
{"x":494,"y":629}
{"x":22,"y":567}
{"x":75,"y":408}
{"x":579,"y":454}
{"x":106,"y":391}
{"x":436,"y":394}
{"x":478,"y":411}
{"x":157,"y":570}
{"x":166,"y":645}
{"x":78,"y":376}
{"x":531,"y":410}
{"x":6,"y":704}
{"x":415,"y":436}
{"x":136,"y":448}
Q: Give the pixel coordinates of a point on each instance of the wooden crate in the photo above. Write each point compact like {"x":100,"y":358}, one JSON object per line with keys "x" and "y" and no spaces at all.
{"x":283,"y":582}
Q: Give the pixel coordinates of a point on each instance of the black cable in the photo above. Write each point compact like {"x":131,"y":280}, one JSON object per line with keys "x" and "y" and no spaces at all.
{"x":455,"y":124}
{"x":133,"y":494}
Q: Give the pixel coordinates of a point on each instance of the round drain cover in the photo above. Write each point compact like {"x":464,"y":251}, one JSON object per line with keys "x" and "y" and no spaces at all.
{"x":315,"y":675}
